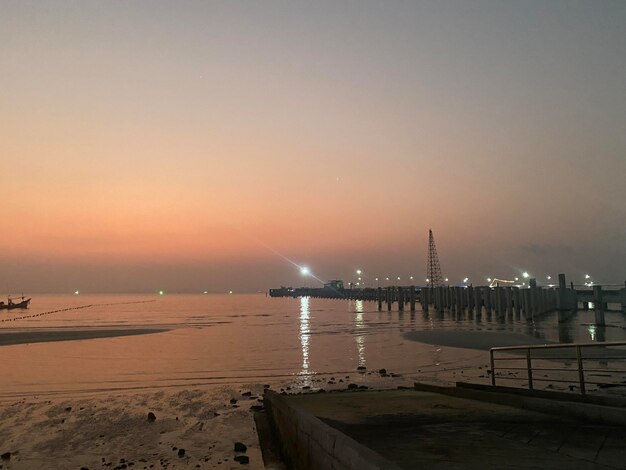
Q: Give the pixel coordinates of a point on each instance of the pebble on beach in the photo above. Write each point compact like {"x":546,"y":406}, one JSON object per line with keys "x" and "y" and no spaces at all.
{"x":242,"y":459}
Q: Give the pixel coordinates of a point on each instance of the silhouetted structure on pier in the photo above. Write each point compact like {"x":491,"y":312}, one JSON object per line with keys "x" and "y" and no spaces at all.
{"x":433,"y":270}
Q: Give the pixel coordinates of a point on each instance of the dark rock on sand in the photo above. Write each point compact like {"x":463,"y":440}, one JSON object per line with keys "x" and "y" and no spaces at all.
{"x":256,"y":408}
{"x":6,"y":456}
{"x":361,"y":368}
{"x":363,"y":387}
{"x":151,"y":416}
{"x":242,"y":459}
{"x":240,"y":447}
{"x":181,"y":452}
{"x":246,"y":394}
{"x":233,"y":401}
{"x":352,"y":386}
{"x":382,"y":371}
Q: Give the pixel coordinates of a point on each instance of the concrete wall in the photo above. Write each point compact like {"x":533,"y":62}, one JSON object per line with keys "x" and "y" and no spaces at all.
{"x":306,"y":442}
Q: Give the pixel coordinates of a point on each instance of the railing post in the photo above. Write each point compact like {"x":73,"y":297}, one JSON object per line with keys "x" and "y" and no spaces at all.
{"x":581,"y":374}
{"x":530,"y":369}
{"x":493,"y":369}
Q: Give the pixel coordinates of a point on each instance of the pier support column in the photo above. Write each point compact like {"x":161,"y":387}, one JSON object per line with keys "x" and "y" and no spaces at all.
{"x":598,"y":300}
{"x":478,"y":301}
{"x":459,"y":300}
{"x":412,"y":298}
{"x":389,"y":299}
{"x":379,"y":297}
{"x":508,"y":295}
{"x":498,"y":292}
{"x":599,"y":314}
{"x":469,"y":298}
{"x":400,"y":299}
{"x":487,"y":299}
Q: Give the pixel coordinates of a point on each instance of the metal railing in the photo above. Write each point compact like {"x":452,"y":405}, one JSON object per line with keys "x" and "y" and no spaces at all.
{"x":579,"y":357}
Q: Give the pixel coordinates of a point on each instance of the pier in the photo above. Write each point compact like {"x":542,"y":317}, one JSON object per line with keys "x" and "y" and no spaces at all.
{"x":499,"y":300}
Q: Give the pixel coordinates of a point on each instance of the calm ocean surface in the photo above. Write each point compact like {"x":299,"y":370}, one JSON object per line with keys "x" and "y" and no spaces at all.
{"x":226,"y":339}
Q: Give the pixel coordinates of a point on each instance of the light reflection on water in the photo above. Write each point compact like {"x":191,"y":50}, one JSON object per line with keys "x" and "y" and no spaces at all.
{"x":359,"y":325}
{"x":236,"y":338}
{"x":304,"y":337}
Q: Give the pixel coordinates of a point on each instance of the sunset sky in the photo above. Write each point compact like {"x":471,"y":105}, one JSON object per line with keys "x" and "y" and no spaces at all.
{"x":194,"y":146}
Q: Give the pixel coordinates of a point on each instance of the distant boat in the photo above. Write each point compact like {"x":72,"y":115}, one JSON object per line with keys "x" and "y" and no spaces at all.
{"x":11,"y":304}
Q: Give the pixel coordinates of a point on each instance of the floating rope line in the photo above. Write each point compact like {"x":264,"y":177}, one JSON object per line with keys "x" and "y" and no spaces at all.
{"x":73,"y":308}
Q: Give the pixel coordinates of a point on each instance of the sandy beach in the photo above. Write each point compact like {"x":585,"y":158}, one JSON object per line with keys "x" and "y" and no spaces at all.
{"x":195,"y":428}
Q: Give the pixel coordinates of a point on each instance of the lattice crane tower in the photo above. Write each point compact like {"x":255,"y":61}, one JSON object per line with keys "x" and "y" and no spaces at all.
{"x":433,"y":271}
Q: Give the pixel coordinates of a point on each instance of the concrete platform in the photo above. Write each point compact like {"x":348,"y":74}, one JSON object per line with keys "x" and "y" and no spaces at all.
{"x":417,"y":429}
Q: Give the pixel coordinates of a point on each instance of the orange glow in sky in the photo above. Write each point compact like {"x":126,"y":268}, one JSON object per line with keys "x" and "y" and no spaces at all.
{"x":147,"y":142}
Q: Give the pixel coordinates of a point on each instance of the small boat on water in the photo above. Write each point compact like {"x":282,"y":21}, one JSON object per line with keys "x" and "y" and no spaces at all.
{"x":11,"y":304}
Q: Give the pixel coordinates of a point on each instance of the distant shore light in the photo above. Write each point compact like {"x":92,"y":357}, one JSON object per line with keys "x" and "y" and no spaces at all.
{"x":161,"y":292}
{"x":525,"y":275}
{"x":304,"y":271}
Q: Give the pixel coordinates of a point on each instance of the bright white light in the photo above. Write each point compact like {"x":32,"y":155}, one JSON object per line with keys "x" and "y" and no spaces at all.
{"x":376,"y":279}
{"x":428,"y":280}
{"x":466,"y":279}
{"x":587,"y":276}
{"x":358,"y":271}
{"x":549,"y":277}
{"x":525,"y":275}
{"x":398,"y":278}
{"x":359,"y":279}
{"x":446,"y":279}
{"x":230,"y":291}
{"x":488,"y":279}
{"x":387,"y":278}
{"x":304,"y":271}
{"x":161,"y":292}
{"x":517,"y":278}
{"x":76,"y":292}
{"x":411,"y":278}
{"x":205,"y":292}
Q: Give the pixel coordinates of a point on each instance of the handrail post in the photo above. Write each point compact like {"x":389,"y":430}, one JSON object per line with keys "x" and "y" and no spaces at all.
{"x":493,"y":371}
{"x":581,"y":374}
{"x":530,"y":369}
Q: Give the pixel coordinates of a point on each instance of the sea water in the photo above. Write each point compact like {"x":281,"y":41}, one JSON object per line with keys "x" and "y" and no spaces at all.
{"x":209,"y":339}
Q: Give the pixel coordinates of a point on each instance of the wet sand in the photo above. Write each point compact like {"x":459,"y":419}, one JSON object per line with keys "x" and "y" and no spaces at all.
{"x":481,"y":340}
{"x":35,"y":336}
{"x":104,"y":430}
{"x":484,"y":340}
